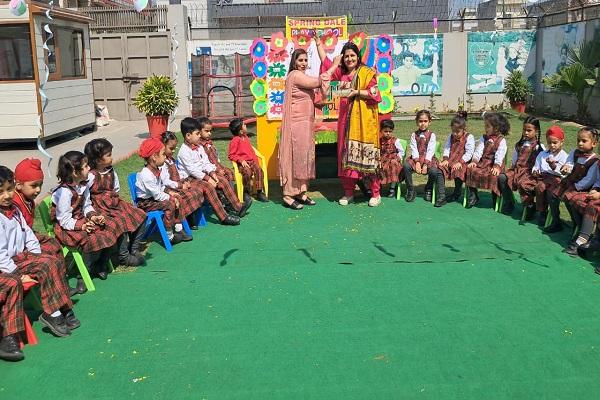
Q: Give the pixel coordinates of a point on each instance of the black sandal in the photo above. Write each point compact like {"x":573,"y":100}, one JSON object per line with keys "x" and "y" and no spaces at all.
{"x":294,"y":205}
{"x":306,"y":201}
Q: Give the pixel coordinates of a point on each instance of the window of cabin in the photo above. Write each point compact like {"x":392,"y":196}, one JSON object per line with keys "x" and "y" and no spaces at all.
{"x":65,"y":54}
{"x":16,"y":61}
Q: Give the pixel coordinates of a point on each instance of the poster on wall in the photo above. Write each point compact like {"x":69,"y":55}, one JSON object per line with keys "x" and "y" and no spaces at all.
{"x":556,"y":43}
{"x":417,"y":65}
{"x":492,"y":56}
{"x":296,"y":27}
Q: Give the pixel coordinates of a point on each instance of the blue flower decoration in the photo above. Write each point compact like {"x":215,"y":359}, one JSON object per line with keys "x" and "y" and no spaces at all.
{"x":276,"y":97}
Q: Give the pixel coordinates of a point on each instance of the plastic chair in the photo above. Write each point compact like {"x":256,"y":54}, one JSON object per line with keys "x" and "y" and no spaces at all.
{"x":402,"y":185}
{"x":500,"y":199}
{"x":438,"y":155}
{"x":154,"y":219}
{"x":239,"y":182}
{"x":44,"y":208}
{"x":29,"y":332}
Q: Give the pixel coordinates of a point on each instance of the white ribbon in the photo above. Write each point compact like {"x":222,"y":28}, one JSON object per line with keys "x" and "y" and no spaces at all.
{"x":174,"y":47}
{"x":41,"y":90}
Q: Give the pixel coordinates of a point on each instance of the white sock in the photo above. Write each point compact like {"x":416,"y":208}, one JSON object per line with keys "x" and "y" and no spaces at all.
{"x":56,"y":314}
{"x":178,"y":227}
{"x":170,"y":235}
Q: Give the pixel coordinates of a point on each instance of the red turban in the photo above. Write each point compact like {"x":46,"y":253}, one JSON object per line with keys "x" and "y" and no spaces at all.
{"x":149,"y":147}
{"x":29,"y":170}
{"x":555,"y":132}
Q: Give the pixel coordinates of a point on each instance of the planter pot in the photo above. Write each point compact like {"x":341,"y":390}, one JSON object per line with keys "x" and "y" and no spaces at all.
{"x":157,"y":124}
{"x":518,"y":106}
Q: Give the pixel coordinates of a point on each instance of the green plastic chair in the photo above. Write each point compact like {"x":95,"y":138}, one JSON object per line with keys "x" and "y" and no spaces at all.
{"x":402,"y":186}
{"x":44,"y":208}
{"x":500,"y":199}
{"x":438,"y":155}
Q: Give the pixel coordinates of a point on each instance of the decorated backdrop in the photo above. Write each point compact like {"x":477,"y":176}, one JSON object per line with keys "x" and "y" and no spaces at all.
{"x":492,"y":56}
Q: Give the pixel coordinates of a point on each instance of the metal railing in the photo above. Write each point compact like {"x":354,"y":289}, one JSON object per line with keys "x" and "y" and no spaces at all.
{"x":119,"y":19}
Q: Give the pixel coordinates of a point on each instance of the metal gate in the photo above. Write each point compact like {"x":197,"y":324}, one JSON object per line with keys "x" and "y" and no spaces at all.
{"x":121,"y":62}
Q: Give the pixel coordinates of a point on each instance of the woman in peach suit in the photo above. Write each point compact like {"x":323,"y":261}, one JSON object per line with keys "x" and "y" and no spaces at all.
{"x":297,"y":142}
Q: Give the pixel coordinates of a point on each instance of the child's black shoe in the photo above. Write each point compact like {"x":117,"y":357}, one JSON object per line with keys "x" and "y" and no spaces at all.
{"x":392,"y":193}
{"x":571,"y":249}
{"x":78,"y":289}
{"x":428,"y":196}
{"x":231,"y":220}
{"x":411,"y":194}
{"x":184,"y":236}
{"x":71,"y":320}
{"x":555,"y":227}
{"x":508,"y":208}
{"x":542,"y":219}
{"x":440,"y":202}
{"x":10,"y":349}
{"x":260,"y":196}
{"x":529,"y":213}
{"x":245,"y":207}
{"x":473,"y":198}
{"x":57,"y":325}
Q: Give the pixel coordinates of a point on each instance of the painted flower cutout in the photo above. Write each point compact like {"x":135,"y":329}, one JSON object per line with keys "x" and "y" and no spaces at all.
{"x":278,"y":41}
{"x":277,"y":70}
{"x":278,"y":56}
{"x":259,"y":69}
{"x":276,"y":84}
{"x":329,"y":41}
{"x":258,"y":49}
{"x":276,"y":97}
{"x":276,"y":109}
{"x":384,"y":44}
{"x":301,"y":41}
{"x":358,"y":38}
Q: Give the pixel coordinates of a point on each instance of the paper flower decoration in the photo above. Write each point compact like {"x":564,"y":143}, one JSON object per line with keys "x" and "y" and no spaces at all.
{"x":259,"y":70}
{"x":276,"y":97}
{"x":384,"y":64}
{"x":384,"y":83}
{"x":17,"y":7}
{"x":276,"y":109}
{"x":140,"y":5}
{"x":277,"y":70}
{"x":260,"y":107}
{"x":384,"y":44}
{"x":258,"y":49}
{"x":278,"y":41}
{"x":277,"y":84}
{"x":358,"y":38}
{"x":329,"y":41}
{"x":386,"y":105}
{"x":301,"y":41}
{"x":258,"y":88}
{"x":278,"y":56}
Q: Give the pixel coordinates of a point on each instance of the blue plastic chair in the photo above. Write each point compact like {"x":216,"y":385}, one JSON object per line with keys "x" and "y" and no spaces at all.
{"x":154,"y":219}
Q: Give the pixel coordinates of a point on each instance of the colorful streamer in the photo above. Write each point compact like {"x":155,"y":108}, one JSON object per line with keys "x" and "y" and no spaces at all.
{"x":174,"y":47}
{"x":41,"y":89}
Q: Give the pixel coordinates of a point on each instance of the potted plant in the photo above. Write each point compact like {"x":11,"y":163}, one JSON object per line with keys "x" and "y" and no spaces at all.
{"x":517,"y":89}
{"x":157,"y":99}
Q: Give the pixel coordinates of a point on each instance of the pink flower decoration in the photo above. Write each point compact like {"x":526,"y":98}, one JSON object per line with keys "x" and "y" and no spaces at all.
{"x":278,"y":41}
{"x":276,"y":109}
{"x":329,"y":41}
{"x":277,"y":56}
{"x":301,"y":41}
{"x":358,"y":38}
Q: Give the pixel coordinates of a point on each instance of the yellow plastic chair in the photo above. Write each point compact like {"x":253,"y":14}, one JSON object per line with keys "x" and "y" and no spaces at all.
{"x":44,"y":208}
{"x":239,"y":181}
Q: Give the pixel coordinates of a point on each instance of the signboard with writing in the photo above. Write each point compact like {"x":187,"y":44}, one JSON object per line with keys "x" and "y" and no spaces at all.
{"x":321,"y":26}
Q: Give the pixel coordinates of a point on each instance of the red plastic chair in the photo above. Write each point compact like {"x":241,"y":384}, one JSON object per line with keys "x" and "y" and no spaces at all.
{"x":29,"y":332}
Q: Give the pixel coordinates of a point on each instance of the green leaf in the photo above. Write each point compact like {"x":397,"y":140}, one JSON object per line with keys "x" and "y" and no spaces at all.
{"x":157,"y":96}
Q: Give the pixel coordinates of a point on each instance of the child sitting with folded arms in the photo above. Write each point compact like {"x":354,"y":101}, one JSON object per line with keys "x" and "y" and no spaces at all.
{"x":392,"y":154}
{"x":223,"y":172}
{"x":546,"y":171}
{"x":195,"y":165}
{"x":29,"y":179}
{"x":104,"y":186}
{"x":76,"y":223}
{"x":242,"y":153}
{"x":21,"y":256}
{"x":151,"y":192}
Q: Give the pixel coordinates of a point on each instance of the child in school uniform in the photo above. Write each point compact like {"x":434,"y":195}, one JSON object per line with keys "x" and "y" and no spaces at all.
{"x":191,"y":196}
{"x":422,"y":156}
{"x":392,"y":154}
{"x":488,"y":158}
{"x":519,"y":176}
{"x":29,"y":179}
{"x":547,"y":170}
{"x":582,"y":169}
{"x":12,"y":323}
{"x":458,"y":152}
{"x":205,"y":126}
{"x":242,"y":153}
{"x":195,"y":165}
{"x":76,"y":223}
{"x":104,"y":186}
{"x":151,"y":192}
{"x":21,"y":256}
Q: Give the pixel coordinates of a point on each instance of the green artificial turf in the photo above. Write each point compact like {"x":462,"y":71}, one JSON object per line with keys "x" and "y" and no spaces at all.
{"x":400,"y":301}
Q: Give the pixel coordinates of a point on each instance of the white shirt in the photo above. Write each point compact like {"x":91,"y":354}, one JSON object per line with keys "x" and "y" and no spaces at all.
{"x":515,"y":153}
{"x":414,"y":151}
{"x":15,"y":237}
{"x":62,"y":197}
{"x":592,"y":175}
{"x":150,"y":186}
{"x":194,"y":163}
{"x":498,"y":157}
{"x":92,"y":178}
{"x":469,"y":147}
{"x":165,"y":177}
{"x":541,"y":162}
{"x":400,"y":149}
